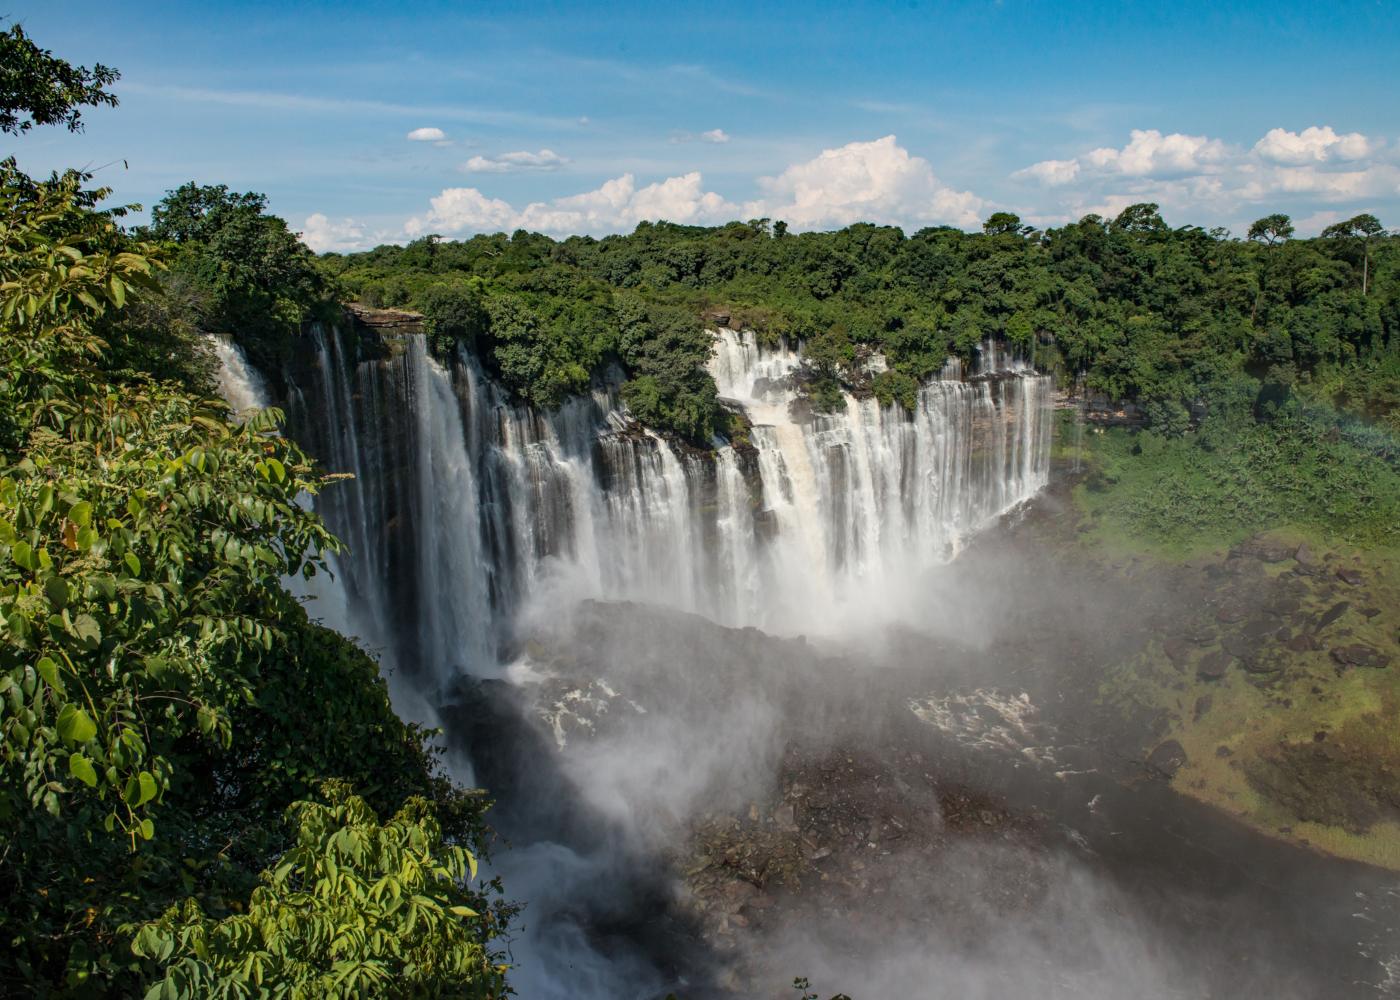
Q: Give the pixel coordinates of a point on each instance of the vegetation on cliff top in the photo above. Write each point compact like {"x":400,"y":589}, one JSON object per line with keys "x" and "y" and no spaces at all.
{"x":1171,"y":317}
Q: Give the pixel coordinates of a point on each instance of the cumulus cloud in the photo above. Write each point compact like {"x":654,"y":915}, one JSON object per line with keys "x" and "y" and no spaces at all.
{"x":517,"y":162}
{"x":616,"y":206}
{"x":714,"y":135}
{"x":323,"y":234}
{"x":1051,"y":173}
{"x":864,"y":182}
{"x":1194,"y":173}
{"x":1312,"y":145}
{"x":859,"y":182}
{"x":1149,"y":153}
{"x":427,"y":135}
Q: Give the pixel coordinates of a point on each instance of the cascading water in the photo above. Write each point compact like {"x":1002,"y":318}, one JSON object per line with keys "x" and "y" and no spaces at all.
{"x":239,"y":382}
{"x":465,"y":505}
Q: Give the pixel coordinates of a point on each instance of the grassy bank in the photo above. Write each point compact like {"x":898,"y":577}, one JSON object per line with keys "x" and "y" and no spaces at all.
{"x":1283,"y":547}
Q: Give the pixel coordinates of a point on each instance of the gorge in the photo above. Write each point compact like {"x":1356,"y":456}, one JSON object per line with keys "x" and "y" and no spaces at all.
{"x":633,"y":638}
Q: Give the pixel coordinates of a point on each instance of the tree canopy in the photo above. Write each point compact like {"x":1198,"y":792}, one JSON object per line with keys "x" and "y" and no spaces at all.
{"x":37,"y":88}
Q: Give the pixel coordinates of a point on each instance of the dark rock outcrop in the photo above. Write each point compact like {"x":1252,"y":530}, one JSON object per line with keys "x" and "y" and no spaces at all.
{"x":1357,"y":655}
{"x":1167,"y":759}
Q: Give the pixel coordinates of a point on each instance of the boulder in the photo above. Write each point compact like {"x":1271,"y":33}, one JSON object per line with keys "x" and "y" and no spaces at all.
{"x":1230,"y":613}
{"x":1176,"y":650}
{"x":1167,"y":759}
{"x":1213,"y":666}
{"x":1351,"y":577}
{"x":1302,"y":643}
{"x":1243,"y":647}
{"x":1260,"y":628}
{"x":1332,"y":614}
{"x":1357,"y":655}
{"x":1307,"y":562}
{"x":1267,"y":550}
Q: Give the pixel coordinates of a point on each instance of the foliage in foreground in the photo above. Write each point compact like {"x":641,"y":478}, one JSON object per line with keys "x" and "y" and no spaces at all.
{"x":163,"y":699}
{"x":355,"y":908}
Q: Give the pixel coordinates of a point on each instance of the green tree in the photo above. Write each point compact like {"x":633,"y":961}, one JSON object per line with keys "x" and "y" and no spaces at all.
{"x":1004,"y":224}
{"x":37,"y":88}
{"x":1362,"y":228}
{"x":1271,"y":230}
{"x":248,"y":275}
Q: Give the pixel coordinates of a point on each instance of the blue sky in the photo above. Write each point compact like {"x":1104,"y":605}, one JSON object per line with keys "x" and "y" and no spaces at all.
{"x":588,"y":117}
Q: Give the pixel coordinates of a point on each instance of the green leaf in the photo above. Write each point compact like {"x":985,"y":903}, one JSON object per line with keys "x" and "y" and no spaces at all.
{"x":80,"y":513}
{"x":462,"y":911}
{"x":56,"y":590}
{"x":81,"y":768}
{"x":148,"y":829}
{"x":75,"y":725}
{"x":48,"y":670}
{"x":85,"y":627}
{"x":148,"y":788}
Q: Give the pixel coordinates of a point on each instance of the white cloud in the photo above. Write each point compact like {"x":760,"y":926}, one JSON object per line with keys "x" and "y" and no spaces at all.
{"x":616,"y":206}
{"x":508,"y":163}
{"x":1051,"y":173}
{"x":322,"y":234}
{"x":427,"y":135}
{"x":1312,"y":145}
{"x":717,"y":135}
{"x":1197,"y":174}
{"x":1149,"y":153}
{"x":864,"y":182}
{"x":859,"y":182}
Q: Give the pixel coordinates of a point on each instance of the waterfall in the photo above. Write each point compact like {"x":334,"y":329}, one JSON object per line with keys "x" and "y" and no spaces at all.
{"x":238,"y":381}
{"x":466,"y":506}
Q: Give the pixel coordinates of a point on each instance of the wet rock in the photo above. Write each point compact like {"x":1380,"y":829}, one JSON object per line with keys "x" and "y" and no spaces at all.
{"x":1167,"y":759}
{"x":1265,"y":549}
{"x":1202,"y":707}
{"x":1176,"y":650}
{"x":1242,"y":647}
{"x":1357,"y":655}
{"x":1260,"y":628}
{"x":1262,"y":663}
{"x":1228,"y":614}
{"x":1370,"y":612}
{"x":1213,"y":666}
{"x":1283,"y":606}
{"x":1333,"y":613}
{"x":1351,"y":577}
{"x":1302,"y":643}
{"x":1307,"y":561}
{"x":1223,"y":751}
